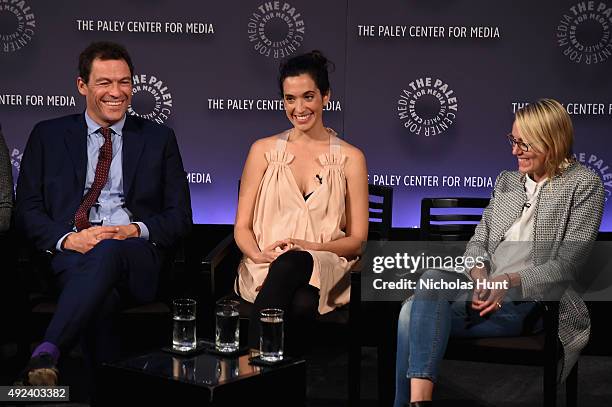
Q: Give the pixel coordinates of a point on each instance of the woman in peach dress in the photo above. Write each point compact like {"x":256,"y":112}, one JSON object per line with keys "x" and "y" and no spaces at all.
{"x":303,"y":209}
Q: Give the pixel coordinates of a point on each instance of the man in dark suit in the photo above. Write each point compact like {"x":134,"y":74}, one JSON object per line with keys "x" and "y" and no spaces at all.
{"x":106,"y":194}
{"x":6,"y":187}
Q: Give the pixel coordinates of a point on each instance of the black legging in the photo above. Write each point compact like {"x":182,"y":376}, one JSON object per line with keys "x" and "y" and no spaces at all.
{"x":286,"y":287}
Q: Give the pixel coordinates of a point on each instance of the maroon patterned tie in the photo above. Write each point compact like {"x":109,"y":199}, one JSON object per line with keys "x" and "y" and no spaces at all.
{"x":81,"y":218}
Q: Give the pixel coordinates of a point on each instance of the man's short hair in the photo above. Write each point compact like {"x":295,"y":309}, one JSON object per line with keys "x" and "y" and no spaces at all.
{"x":103,"y":50}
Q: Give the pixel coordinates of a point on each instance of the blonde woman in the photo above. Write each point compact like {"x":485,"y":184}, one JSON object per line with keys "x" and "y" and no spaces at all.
{"x":554,"y":205}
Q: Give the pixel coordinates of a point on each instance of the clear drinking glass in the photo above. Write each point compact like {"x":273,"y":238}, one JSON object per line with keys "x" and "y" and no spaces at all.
{"x":271,"y":340}
{"x":184,"y":329}
{"x":227,"y":332}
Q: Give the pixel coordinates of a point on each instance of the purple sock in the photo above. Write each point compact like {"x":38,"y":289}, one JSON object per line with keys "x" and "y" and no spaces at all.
{"x":47,"y":347}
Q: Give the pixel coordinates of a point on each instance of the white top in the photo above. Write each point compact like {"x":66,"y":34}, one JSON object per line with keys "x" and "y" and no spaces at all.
{"x":509,"y":256}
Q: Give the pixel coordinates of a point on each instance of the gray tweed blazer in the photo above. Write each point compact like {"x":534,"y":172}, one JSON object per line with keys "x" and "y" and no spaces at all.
{"x":6,"y":186}
{"x":566,"y":221}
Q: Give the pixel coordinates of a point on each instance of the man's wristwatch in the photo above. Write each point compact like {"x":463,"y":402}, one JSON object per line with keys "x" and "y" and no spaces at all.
{"x":137,"y":228}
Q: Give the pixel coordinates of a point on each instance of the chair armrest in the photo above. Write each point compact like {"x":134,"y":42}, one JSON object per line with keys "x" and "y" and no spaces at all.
{"x":217,"y":271}
{"x":550,"y":316}
{"x":218,"y":253}
{"x":552,"y":344}
{"x":358,"y":266}
{"x":179,"y":254}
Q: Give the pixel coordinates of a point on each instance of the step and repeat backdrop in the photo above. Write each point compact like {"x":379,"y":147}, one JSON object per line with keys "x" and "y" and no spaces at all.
{"x":427,"y":90}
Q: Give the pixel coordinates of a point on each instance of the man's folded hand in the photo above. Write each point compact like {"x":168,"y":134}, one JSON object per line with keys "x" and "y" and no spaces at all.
{"x":86,"y":239}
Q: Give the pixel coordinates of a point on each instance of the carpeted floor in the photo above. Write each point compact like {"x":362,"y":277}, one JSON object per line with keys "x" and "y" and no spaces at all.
{"x":461,"y":383}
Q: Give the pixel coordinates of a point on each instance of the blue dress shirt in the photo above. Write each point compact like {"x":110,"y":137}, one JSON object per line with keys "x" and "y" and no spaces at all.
{"x":110,"y":209}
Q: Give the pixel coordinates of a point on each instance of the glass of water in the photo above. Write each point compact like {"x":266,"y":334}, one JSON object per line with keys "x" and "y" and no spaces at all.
{"x":184,"y":329}
{"x":227,"y":332}
{"x":272,"y":337}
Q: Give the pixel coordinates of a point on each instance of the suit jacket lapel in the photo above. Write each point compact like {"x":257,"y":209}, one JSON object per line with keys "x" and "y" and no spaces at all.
{"x":76,"y":143}
{"x":133,"y":144}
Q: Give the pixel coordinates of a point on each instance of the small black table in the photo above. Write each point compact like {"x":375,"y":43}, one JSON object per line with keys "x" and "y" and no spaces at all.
{"x":160,"y":378}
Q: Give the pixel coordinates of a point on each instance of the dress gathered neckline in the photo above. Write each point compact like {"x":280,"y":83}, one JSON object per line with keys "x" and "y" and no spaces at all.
{"x":282,"y":211}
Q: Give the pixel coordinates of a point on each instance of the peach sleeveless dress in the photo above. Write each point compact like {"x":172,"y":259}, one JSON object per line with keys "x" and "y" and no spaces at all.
{"x":281,"y":212}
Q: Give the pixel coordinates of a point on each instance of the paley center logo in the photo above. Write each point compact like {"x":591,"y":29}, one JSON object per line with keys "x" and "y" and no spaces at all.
{"x":17,"y":24}
{"x":16,"y":156}
{"x":276,"y":29}
{"x":151,"y":98}
{"x":583,"y":32}
{"x":599,"y":167}
{"x":428,"y":106}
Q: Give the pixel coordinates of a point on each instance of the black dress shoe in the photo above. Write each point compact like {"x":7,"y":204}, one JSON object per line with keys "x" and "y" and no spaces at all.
{"x":40,"y":371}
{"x":428,"y":403}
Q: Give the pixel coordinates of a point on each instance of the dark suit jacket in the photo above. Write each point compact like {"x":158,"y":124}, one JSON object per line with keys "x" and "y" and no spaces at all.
{"x":52,"y":180}
{"x":6,"y":186}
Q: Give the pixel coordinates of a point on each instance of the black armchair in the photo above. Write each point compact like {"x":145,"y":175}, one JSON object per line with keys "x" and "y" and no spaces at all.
{"x":457,"y":222}
{"x":13,"y":310}
{"x":373,"y":323}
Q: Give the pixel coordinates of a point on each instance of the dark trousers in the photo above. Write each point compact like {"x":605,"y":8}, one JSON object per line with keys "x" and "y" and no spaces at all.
{"x":286,"y":287}
{"x":94,"y":286}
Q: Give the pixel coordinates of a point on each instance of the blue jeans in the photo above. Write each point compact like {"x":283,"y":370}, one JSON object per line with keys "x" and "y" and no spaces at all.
{"x":428,"y":318}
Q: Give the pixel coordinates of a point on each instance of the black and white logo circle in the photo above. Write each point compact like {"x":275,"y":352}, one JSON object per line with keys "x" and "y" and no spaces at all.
{"x":16,"y":157}
{"x":584,"y":33}
{"x":276,"y":29}
{"x":17,"y":25}
{"x":151,"y":98}
{"x":427,"y":106}
{"x":599,"y":166}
